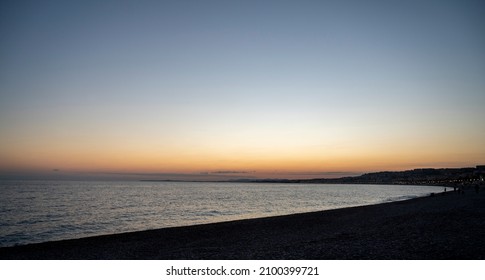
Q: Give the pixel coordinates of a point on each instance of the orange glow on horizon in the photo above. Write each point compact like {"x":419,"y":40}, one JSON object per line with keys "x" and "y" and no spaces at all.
{"x":255,"y":164}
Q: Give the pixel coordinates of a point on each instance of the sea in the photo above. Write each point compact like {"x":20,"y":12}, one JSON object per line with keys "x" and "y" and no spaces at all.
{"x":40,"y":211}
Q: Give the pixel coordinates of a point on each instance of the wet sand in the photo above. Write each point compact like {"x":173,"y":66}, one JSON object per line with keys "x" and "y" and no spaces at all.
{"x":444,"y":226}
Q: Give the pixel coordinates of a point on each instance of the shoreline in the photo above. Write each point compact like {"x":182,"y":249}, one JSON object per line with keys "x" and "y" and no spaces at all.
{"x":441,"y":226}
{"x":234,"y":219}
{"x":198,"y":223}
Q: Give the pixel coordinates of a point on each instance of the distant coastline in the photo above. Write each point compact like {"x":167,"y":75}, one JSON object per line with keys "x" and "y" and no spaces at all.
{"x":464,"y":177}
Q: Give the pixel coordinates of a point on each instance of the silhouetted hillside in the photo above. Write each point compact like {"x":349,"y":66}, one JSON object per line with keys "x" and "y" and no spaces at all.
{"x":428,"y":176}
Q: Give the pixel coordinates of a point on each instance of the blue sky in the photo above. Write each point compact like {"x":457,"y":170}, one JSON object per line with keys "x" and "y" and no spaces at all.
{"x":271,"y":86}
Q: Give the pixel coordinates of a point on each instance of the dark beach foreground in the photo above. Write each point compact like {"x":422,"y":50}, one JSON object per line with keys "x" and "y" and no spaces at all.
{"x":443,"y":226}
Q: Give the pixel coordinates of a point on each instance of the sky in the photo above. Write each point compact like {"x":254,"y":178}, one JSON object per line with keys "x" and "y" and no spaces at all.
{"x":239,"y":89}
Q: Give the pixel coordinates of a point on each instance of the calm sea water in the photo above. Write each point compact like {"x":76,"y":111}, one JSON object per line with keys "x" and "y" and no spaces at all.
{"x":39,"y":211}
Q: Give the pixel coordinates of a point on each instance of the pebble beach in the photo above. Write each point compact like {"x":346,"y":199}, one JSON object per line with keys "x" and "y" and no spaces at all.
{"x":440,"y":226}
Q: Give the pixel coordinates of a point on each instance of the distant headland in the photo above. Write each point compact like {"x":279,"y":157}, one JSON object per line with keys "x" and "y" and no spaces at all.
{"x":469,"y":176}
{"x":424,"y":176}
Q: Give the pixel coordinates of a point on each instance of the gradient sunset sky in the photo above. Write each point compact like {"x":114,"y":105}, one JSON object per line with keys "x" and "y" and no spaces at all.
{"x":216,"y":89}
